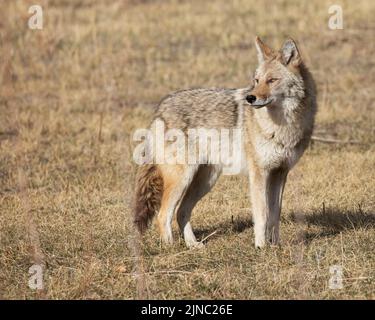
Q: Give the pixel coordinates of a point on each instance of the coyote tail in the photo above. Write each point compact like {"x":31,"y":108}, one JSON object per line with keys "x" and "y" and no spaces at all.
{"x":149,"y":189}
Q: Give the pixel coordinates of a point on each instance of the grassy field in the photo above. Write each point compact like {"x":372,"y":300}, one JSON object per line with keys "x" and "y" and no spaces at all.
{"x":72,"y":93}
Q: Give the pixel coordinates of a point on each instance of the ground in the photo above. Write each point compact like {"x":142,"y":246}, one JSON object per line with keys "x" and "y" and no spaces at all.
{"x":72,"y":94}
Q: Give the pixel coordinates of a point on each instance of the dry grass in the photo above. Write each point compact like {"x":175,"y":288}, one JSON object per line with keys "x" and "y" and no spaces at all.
{"x":71,"y":95}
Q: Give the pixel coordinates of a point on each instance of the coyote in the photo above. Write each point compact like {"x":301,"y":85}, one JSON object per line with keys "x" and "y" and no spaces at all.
{"x":276,"y":115}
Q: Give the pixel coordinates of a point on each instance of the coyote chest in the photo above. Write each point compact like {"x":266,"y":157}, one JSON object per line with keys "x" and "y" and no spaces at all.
{"x":277,"y":145}
{"x":276,"y":137}
{"x":271,"y":153}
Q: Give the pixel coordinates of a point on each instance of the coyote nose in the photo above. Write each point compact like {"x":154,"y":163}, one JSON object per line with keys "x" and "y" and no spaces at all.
{"x":250,"y":99}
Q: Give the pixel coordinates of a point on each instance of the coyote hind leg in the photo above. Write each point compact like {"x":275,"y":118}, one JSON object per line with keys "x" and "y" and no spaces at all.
{"x":177,"y":179}
{"x":203,"y":181}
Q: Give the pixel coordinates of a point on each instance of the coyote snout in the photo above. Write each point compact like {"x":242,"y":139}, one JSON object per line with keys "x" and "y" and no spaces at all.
{"x":259,"y":102}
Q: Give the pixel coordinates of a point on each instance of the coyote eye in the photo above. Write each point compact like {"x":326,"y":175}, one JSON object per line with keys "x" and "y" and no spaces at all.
{"x":272,"y":80}
{"x":256,"y":81}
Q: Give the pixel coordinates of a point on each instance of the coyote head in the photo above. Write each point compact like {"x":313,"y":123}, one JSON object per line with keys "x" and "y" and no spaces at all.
{"x":278,"y":80}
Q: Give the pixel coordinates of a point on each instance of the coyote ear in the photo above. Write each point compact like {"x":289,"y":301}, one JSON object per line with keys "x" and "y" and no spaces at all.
{"x":264,"y":52}
{"x":289,"y":53}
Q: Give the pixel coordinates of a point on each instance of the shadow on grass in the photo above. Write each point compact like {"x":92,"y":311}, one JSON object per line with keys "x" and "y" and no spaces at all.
{"x":236,"y":225}
{"x":333,"y":221}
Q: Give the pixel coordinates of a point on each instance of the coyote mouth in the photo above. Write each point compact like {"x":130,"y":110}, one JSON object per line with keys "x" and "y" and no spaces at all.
{"x":261,"y":103}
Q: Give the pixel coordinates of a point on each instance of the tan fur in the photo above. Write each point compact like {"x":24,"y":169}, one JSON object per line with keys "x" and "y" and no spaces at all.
{"x":276,"y":114}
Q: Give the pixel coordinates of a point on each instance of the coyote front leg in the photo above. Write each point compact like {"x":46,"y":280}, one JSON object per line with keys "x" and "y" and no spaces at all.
{"x":266,"y":189}
{"x":275,"y":184}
